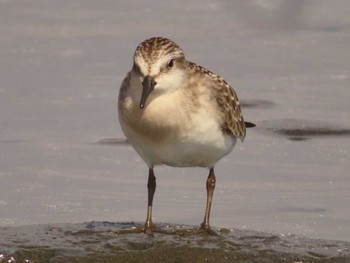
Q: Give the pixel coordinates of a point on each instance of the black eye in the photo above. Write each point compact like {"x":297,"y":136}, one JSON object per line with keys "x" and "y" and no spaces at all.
{"x":170,"y":63}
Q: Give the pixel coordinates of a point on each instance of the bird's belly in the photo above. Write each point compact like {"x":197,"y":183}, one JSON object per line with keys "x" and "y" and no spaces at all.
{"x":196,"y":148}
{"x":189,"y":154}
{"x":165,"y":134}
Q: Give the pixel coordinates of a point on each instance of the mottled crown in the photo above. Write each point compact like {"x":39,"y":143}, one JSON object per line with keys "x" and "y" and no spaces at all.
{"x":156,"y":47}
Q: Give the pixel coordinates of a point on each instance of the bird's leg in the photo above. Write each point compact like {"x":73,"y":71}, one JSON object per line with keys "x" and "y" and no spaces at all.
{"x":151,"y":185}
{"x":210,"y":191}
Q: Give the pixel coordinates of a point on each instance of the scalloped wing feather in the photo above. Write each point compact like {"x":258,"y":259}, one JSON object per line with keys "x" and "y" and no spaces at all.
{"x":228,"y":103}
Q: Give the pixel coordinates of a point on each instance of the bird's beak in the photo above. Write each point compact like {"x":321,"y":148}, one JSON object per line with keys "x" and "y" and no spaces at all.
{"x":148,"y":85}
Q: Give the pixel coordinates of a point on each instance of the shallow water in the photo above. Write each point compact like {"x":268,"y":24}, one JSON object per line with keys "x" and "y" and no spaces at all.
{"x":101,"y":242}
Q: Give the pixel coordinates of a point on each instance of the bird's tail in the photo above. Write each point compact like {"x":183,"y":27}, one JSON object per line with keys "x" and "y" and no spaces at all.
{"x":249,"y":124}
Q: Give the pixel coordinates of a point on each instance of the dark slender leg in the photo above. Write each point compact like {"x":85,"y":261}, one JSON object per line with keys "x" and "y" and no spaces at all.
{"x":210,"y":191}
{"x":151,"y":185}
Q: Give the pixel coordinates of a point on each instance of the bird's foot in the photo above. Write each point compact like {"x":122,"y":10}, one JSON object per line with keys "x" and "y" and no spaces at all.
{"x":149,"y":228}
{"x":205,"y":227}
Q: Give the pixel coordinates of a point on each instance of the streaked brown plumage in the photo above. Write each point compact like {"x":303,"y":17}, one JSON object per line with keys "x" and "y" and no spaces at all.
{"x":177,"y":113}
{"x":228,"y":103}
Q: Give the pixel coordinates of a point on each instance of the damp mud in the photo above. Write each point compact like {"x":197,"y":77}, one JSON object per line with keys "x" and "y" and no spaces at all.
{"x":112,"y":141}
{"x":102,"y":242}
{"x":299,"y":129}
{"x":257,"y":104}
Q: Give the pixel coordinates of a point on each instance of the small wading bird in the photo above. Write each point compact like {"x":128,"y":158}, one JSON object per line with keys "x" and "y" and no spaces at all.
{"x":174,"y":112}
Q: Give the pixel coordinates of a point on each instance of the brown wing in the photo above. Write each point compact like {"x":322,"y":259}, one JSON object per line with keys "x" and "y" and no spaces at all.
{"x":233,"y":122}
{"x":228,"y":103}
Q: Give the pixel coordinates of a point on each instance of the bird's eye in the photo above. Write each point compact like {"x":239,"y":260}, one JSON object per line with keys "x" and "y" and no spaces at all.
{"x":171,"y":63}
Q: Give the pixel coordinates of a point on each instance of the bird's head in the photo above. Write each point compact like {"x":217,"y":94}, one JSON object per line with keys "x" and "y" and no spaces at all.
{"x":158,"y":65}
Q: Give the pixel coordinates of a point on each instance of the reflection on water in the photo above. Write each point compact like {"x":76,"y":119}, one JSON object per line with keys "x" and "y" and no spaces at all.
{"x":100,"y":242}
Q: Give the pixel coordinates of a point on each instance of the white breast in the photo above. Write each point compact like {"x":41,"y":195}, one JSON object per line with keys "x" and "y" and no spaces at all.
{"x":174,"y":128}
{"x":169,"y":135}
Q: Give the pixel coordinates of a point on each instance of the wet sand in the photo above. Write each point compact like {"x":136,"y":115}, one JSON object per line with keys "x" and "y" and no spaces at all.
{"x":101,"y":242}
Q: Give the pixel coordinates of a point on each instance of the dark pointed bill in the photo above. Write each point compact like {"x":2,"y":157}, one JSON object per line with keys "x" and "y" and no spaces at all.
{"x":148,"y":85}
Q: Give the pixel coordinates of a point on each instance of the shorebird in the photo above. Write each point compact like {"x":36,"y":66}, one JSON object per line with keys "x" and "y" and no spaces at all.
{"x":177,"y":113}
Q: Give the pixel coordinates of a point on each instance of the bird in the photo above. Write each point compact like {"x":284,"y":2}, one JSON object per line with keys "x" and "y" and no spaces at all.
{"x":177,"y":113}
